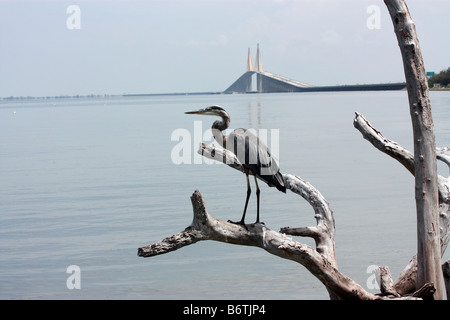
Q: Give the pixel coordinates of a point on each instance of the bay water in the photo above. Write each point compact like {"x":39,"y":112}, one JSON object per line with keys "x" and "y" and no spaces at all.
{"x":85,"y":182}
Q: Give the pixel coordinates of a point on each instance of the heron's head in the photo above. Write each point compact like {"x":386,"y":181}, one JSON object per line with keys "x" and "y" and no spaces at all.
{"x":215,"y":111}
{"x":210,"y":111}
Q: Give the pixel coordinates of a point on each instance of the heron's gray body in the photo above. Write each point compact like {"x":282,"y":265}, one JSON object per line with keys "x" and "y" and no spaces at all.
{"x":253,"y":154}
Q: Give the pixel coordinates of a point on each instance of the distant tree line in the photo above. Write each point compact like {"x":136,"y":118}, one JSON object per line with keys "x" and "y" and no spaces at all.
{"x":442,"y":77}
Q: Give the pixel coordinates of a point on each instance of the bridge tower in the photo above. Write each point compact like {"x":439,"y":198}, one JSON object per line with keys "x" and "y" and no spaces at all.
{"x":249,"y":62}
{"x":259,"y":69}
{"x":265,"y":81}
{"x":248,"y":80}
{"x":258,"y":64}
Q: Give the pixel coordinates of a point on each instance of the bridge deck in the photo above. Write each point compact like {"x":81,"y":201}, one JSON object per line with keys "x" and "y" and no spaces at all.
{"x":286,"y":80}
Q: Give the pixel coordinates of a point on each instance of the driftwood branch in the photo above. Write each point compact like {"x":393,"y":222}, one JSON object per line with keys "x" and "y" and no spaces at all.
{"x":386,"y":283}
{"x":322,"y":233}
{"x":206,"y":227}
{"x":388,"y":289}
{"x":391,"y":148}
{"x":443,"y":154}
{"x":406,"y":282}
{"x":402,"y":155}
{"x":321,"y":261}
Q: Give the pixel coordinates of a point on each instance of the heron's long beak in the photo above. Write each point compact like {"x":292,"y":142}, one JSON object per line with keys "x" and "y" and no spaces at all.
{"x":201,"y":111}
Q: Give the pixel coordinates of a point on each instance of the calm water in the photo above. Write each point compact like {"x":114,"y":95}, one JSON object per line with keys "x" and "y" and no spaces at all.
{"x":87,"y":182}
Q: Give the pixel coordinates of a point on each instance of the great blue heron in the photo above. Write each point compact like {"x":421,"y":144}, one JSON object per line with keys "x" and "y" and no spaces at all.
{"x":253,"y":154}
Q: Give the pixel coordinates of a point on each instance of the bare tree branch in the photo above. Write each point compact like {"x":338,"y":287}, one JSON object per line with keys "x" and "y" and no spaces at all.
{"x":382,"y":143}
{"x":443,"y":154}
{"x":323,"y":232}
{"x":402,"y":155}
{"x":172,"y":243}
{"x":321,"y":261}
{"x":426,"y":292}
{"x":206,"y":227}
{"x":386,"y":283}
{"x":406,"y":282}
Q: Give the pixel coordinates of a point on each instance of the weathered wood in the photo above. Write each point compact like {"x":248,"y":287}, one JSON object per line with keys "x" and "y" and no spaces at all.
{"x":426,"y":292}
{"x":406,"y":282}
{"x":386,"y":283}
{"x":443,"y":154}
{"x":382,"y":143}
{"x":323,"y":232}
{"x":429,"y":249}
{"x":321,"y":262}
{"x":206,"y":227}
{"x":405,"y":157}
{"x":446,"y":272}
{"x":172,"y":243}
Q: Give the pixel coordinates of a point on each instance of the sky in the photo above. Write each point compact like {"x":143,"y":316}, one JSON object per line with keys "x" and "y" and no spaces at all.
{"x":165,"y":46}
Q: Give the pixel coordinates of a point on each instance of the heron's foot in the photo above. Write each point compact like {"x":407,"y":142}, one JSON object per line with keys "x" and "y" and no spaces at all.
{"x":241,"y":223}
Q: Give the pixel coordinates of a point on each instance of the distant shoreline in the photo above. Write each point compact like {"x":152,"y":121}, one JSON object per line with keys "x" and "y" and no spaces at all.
{"x":342,"y":88}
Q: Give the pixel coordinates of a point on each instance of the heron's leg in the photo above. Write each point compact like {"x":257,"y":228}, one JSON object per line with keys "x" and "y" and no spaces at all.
{"x":257,"y":200}
{"x":249,"y":191}
{"x":246,"y":202}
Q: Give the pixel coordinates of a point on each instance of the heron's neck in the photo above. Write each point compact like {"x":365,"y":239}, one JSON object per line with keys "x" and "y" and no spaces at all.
{"x":217,"y":128}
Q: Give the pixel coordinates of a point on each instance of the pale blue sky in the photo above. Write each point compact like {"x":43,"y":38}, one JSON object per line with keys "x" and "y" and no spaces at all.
{"x":197,"y":45}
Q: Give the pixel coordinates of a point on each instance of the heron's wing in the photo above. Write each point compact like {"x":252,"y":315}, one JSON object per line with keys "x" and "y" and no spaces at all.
{"x":252,"y":152}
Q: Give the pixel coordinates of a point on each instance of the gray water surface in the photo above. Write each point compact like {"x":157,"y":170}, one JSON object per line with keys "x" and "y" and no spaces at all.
{"x":87,"y":181}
